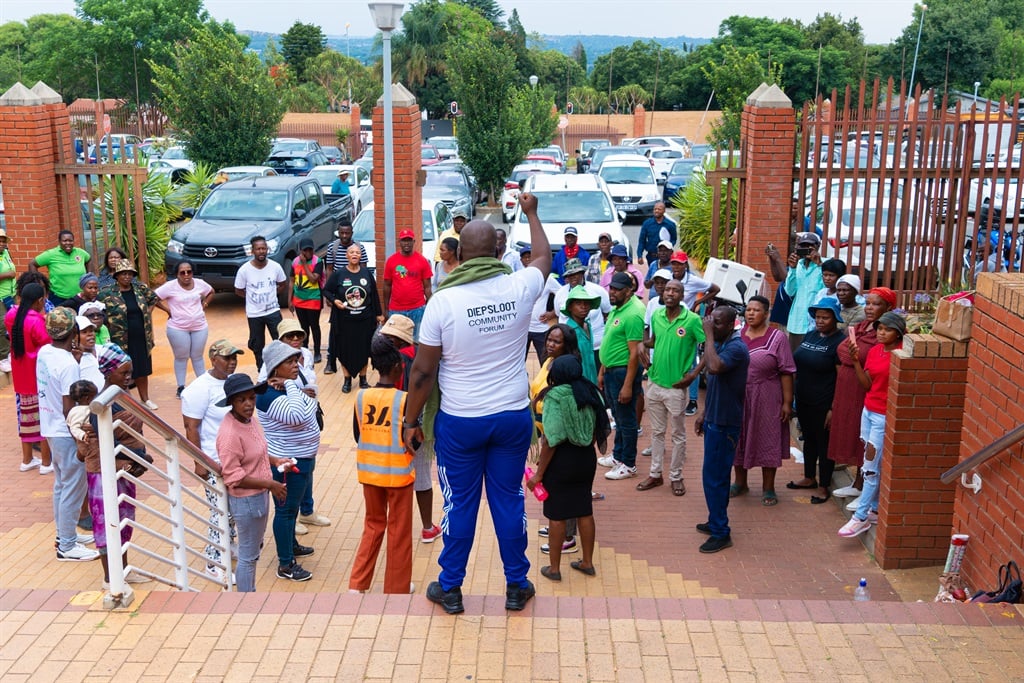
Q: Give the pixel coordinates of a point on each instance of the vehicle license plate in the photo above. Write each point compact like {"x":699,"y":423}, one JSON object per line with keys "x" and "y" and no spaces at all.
{"x":626,"y":207}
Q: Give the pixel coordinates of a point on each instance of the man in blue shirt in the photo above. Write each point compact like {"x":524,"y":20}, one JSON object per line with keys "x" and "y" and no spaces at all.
{"x":655,"y":229}
{"x":720,"y":422}
{"x":803,"y":282}
{"x":340,"y":184}
{"x":569,"y":251}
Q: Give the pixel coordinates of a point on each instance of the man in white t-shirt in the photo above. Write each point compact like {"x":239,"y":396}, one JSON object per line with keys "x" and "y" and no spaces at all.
{"x":471,"y":345}
{"x":508,"y":255}
{"x":202,"y":417}
{"x":260,"y":282}
{"x":575,"y":275}
{"x":56,"y":370}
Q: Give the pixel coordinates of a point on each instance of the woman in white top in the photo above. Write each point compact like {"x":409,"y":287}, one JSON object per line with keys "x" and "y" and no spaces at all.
{"x":448,"y":249}
{"x":187,"y":297}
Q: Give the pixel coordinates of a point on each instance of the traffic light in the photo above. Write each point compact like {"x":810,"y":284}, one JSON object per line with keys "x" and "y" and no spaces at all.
{"x":568,"y":107}
{"x":454,"y":108}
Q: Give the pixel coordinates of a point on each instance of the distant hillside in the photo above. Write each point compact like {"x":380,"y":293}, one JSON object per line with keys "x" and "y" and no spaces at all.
{"x":362,"y":48}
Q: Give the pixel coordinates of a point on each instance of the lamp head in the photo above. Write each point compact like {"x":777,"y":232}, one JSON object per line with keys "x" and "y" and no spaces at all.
{"x":533,"y":81}
{"x":386,"y":14}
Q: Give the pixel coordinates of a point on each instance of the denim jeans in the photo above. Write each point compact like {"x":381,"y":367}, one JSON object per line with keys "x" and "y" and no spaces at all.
{"x":257,"y":339}
{"x":695,"y":384}
{"x":416,"y":316}
{"x":720,"y":443}
{"x":250,"y":514}
{"x":624,"y":413}
{"x":285,"y":513}
{"x":872,"y":431}
{"x":69,"y":489}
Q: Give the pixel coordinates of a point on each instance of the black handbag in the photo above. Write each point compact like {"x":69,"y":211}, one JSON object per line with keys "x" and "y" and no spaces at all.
{"x":1010,"y":586}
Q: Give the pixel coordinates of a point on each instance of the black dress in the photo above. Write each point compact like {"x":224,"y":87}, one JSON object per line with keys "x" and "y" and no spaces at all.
{"x":352,"y":327}
{"x":138,"y":349}
{"x":569,"y":480}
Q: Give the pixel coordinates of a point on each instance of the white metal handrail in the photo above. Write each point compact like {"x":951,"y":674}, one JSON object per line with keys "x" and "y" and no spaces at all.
{"x":170,"y":501}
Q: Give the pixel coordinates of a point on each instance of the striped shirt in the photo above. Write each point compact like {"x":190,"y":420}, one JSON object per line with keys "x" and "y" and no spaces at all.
{"x":289,"y":422}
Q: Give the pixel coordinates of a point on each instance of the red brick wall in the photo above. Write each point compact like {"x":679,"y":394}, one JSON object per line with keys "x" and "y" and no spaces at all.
{"x":639,"y":118}
{"x":994,"y":517}
{"x":922,"y":440}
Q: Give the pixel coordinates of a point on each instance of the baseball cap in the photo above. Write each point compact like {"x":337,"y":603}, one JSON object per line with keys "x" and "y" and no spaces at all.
{"x":406,"y":235}
{"x":399,"y":326}
{"x":92,"y":307}
{"x":525,"y":249}
{"x":679,"y":257}
{"x":605,"y":236}
{"x":83,"y":323}
{"x":306,"y":243}
{"x":619,"y":250}
{"x":224,"y":348}
{"x":571,"y":231}
{"x":621,"y":281}
{"x":663,"y":273}
{"x":665,"y":243}
{"x":807,"y":238}
{"x":460,"y":213}
{"x":60,"y":322}
{"x":573,"y":265}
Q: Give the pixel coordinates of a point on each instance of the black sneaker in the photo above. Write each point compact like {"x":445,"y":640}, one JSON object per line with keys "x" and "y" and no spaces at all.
{"x":704,"y":528}
{"x":317,"y":358}
{"x":716,"y":543}
{"x":347,"y":385}
{"x":302,"y":550}
{"x":178,"y":394}
{"x":691,"y":408}
{"x":516,"y":597}
{"x":450,"y":601}
{"x":293,"y":572}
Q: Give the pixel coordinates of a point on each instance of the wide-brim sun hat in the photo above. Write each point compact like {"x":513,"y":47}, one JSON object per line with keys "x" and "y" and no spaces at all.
{"x":277,"y":352}
{"x":236,"y":384}
{"x":827,"y":304}
{"x":580,"y":293}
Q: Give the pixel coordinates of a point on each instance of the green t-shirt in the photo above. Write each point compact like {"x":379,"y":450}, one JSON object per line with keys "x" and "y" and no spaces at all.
{"x":7,"y":266}
{"x":625,"y":324}
{"x":675,"y":345}
{"x":65,"y":269}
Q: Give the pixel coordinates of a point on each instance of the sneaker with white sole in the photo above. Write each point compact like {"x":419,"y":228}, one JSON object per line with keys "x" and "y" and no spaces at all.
{"x":217,"y":574}
{"x":430,"y":535}
{"x":85,"y":539}
{"x":873,"y":517}
{"x":607,"y":461}
{"x":620,"y":471}
{"x":301,"y":529}
{"x":31,"y":465}
{"x":46,"y":469}
{"x":543,"y":531}
{"x":568,"y":546}
{"x":5,"y":365}
{"x":293,"y":572}
{"x":136,"y":578}
{"x":846,"y":492}
{"x":854,"y":527}
{"x":78,"y":553}
{"x":315,"y":519}
{"x":853,"y":505}
{"x":691,"y":408}
{"x":647,"y":451}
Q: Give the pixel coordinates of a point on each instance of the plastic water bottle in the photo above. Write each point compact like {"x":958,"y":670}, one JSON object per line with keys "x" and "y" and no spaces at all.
{"x":539,"y":492}
{"x":860,"y":593}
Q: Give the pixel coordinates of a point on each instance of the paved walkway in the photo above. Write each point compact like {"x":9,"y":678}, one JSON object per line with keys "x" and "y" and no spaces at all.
{"x":777,"y":605}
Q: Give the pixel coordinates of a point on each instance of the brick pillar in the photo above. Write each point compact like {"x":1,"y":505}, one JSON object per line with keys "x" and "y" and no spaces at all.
{"x":639,"y":119}
{"x":407,"y":139}
{"x":994,"y":405}
{"x":922,"y":440}
{"x":767,"y":141}
{"x":33,"y":124}
{"x":355,"y":140}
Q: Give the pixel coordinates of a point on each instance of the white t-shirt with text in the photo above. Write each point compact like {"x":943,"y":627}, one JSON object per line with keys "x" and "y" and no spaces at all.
{"x":56,"y":371}
{"x":260,"y":285}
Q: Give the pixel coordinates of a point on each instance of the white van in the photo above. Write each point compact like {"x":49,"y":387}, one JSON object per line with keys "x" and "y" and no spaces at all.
{"x":632,"y":184}
{"x":570,"y":199}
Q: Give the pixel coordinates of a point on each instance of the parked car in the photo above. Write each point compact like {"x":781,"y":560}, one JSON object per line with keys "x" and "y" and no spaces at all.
{"x":241,"y":172}
{"x":295,"y":163}
{"x":578,"y":200}
{"x":662,"y":159}
{"x":542,"y":159}
{"x":436,"y":219}
{"x":678,"y":177}
{"x":447,"y":146}
{"x":458,"y":164}
{"x":631,"y":181}
{"x":358,"y":181}
{"x":548,"y":153}
{"x":992,"y":195}
{"x":510,"y":194}
{"x":294,"y":145}
{"x":451,"y":186}
{"x":429,"y":155}
{"x":175,"y":173}
{"x":113,"y":148}
{"x":284,"y":209}
{"x":174,"y":156}
{"x":598,"y":156}
{"x":674,"y":141}
{"x":334,"y":155}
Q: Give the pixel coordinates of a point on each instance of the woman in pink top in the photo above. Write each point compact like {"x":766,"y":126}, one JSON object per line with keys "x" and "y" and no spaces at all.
{"x":26,"y":326}
{"x":245,"y":466}
{"x":187,"y":330}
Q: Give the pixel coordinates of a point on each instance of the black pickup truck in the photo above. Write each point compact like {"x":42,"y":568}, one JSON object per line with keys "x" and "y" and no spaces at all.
{"x":283,"y":209}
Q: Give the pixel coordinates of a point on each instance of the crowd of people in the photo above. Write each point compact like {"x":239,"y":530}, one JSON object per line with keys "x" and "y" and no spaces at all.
{"x":449,"y":342}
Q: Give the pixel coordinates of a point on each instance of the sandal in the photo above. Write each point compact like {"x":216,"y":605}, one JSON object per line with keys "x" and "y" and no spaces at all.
{"x":548,"y":574}
{"x":736,"y":490}
{"x":794,"y":485}
{"x":578,"y":566}
{"x":768,"y":499}
{"x":678,"y":488}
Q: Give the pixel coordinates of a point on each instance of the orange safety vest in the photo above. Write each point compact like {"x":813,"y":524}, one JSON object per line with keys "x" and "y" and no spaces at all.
{"x":381,"y":458}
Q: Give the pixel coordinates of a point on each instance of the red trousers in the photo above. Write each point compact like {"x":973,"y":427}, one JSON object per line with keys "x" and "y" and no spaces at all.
{"x":386,"y":509}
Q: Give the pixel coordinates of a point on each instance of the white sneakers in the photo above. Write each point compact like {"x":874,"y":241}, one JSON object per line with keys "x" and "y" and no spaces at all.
{"x":301,"y":529}
{"x":853,"y":504}
{"x":149,"y":404}
{"x":607,"y":461}
{"x":846,"y":492}
{"x":315,"y":519}
{"x":46,"y":469}
{"x":31,"y":465}
{"x":84,"y":539}
{"x":5,"y":364}
{"x":854,"y":527}
{"x":214,"y":572}
{"x":78,"y":553}
{"x":620,"y":471}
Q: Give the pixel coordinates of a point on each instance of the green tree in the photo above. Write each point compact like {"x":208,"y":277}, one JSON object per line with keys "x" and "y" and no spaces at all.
{"x":629,"y":97}
{"x":639,"y":64}
{"x":586,"y":100}
{"x":579,"y":55}
{"x":495,"y":129}
{"x":220,"y":99}
{"x":557,"y":74}
{"x":733,"y":80}
{"x":301,"y":43}
{"x":338,"y":75}
{"x":488,"y":9}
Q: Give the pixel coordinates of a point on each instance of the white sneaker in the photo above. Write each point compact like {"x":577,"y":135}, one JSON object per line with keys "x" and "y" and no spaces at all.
{"x":46,"y":469}
{"x":216,"y":573}
{"x":846,"y":492}
{"x":5,"y":364}
{"x":797,"y":454}
{"x":152,"y":406}
{"x":647,"y":451}
{"x":853,"y":505}
{"x":316,"y":519}
{"x":78,"y":553}
{"x":136,"y":578}
{"x":620,"y":471}
{"x":85,"y":539}
{"x":301,"y":529}
{"x":34,"y":463}
{"x":854,"y":527}
{"x":607,"y":461}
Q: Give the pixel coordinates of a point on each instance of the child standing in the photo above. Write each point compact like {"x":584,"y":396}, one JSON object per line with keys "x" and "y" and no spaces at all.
{"x":386,"y":473}
{"x":874,"y":376}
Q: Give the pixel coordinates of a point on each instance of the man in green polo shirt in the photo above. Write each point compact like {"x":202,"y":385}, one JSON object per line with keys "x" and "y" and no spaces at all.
{"x":675,"y":333}
{"x":66,"y":264}
{"x":620,"y":373}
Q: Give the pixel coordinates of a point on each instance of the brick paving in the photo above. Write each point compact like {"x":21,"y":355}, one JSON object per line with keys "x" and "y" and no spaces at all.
{"x":777,"y":605}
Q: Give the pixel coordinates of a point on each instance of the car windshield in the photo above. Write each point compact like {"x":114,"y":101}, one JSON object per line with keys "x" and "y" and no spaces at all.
{"x":363,"y":226}
{"x":679,"y":141}
{"x":284,"y":163}
{"x":444,"y":144}
{"x":238,"y":175}
{"x":245,"y":204}
{"x":684,"y":167}
{"x":544,"y":152}
{"x":428,"y":153}
{"x":446,"y":178}
{"x":584,"y":206}
{"x":174,"y":153}
{"x":666,"y":154}
{"x":627,"y":175}
{"x":588,"y":145}
{"x":325,"y":176}
{"x":296,"y":146}
{"x":518,"y":176}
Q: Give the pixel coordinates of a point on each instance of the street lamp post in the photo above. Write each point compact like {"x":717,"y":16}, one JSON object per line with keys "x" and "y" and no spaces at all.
{"x":386,"y":16}
{"x":913,"y":69}
{"x":977,"y":84}
{"x":348,"y":53}
{"x":138,"y":104}
{"x":533,"y":82}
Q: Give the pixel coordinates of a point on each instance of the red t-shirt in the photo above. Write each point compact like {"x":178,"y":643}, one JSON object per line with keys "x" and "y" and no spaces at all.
{"x":877,"y":365}
{"x":406,"y":275}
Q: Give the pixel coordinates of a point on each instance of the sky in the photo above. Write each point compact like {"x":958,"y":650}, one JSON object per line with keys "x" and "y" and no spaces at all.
{"x":882,"y":20}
